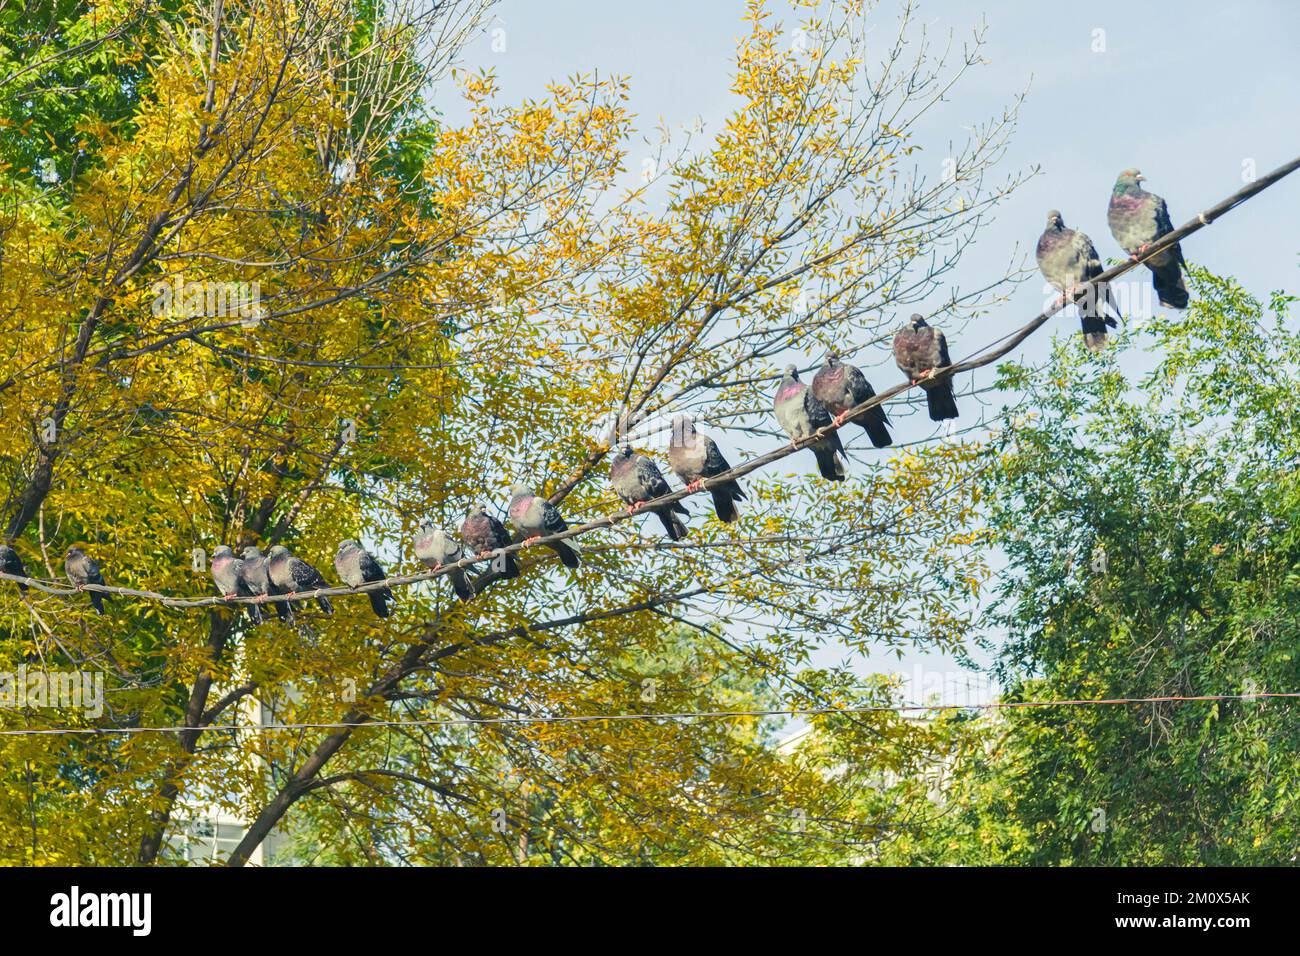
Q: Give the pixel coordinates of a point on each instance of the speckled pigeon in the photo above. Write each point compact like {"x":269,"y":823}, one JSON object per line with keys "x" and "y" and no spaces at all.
{"x":10,"y":563}
{"x":800,"y":414}
{"x":693,"y":458}
{"x":636,"y":480}
{"x":536,"y":517}
{"x":1137,"y":219}
{"x":292,"y":574}
{"x":840,"y":387}
{"x":483,"y":534}
{"x":434,"y":548}
{"x":229,"y":575}
{"x":356,"y":566}
{"x":919,"y":349}
{"x":81,"y":570}
{"x":1067,"y":259}
{"x":259,"y":582}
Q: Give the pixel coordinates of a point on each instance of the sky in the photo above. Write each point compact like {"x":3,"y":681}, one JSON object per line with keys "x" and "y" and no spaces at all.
{"x":1195,"y":94}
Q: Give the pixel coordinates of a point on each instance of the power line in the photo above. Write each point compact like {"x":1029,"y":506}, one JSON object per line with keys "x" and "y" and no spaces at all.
{"x":978,"y":359}
{"x":671,"y":715}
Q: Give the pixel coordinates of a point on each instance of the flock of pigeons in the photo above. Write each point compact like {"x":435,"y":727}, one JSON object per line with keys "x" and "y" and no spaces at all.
{"x":1066,"y":257}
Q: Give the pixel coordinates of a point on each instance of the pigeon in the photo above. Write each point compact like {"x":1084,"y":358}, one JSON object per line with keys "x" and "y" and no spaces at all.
{"x":920,"y":349}
{"x":10,"y":563}
{"x":291,"y":574}
{"x":841,"y":387}
{"x":434,"y":548}
{"x":694,"y":457}
{"x":1067,"y":259}
{"x":536,"y":517}
{"x":229,"y":574}
{"x":483,"y":534}
{"x":1137,"y":219}
{"x":800,"y":414}
{"x":356,"y":566}
{"x":259,"y":582}
{"x":82,"y":570}
{"x":637,"y":480}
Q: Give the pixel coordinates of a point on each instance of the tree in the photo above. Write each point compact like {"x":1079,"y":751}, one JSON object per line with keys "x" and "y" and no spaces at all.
{"x":1150,"y":528}
{"x":443,"y":309}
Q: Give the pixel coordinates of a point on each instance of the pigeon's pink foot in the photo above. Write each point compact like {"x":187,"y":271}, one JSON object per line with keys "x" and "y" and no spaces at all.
{"x":536,"y":537}
{"x":695,"y":485}
{"x":839,"y":419}
{"x":484,"y":554}
{"x":229,"y":597}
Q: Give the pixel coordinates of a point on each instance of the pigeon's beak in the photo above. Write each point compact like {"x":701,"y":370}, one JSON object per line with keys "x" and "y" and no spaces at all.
{"x":1140,"y":178}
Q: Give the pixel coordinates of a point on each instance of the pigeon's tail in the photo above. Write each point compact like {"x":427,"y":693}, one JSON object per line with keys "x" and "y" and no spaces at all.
{"x":672,"y":524}
{"x":942,"y":401}
{"x":324,"y":604}
{"x":829,"y":462}
{"x":379,"y":601}
{"x":724,"y":501}
{"x":254,"y":614}
{"x":1171,"y":289}
{"x":877,"y":431}
{"x":282,"y":610}
{"x":568,"y":553}
{"x":461,"y":585}
{"x":97,"y":600}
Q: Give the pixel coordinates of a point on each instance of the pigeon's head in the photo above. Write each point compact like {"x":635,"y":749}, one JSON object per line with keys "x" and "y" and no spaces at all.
{"x":74,"y":552}
{"x":251,"y":553}
{"x":349,"y":545}
{"x":1128,"y":181}
{"x":223,"y":552}
{"x":792,"y":372}
{"x":520,"y":490}
{"x":1055,"y":220}
{"x":624,"y":451}
{"x":918,"y":322}
{"x":832,"y":359}
{"x":278,"y":551}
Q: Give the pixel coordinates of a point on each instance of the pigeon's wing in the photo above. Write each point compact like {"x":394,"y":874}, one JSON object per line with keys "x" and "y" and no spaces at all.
{"x":651,"y":478}
{"x":714,"y":463}
{"x":497,"y":531}
{"x":941,"y":341}
{"x":1164,"y":224}
{"x":857,"y":386}
{"x":306,"y":576}
{"x":552,"y":522}
{"x":818,"y":417}
{"x":370,"y":569}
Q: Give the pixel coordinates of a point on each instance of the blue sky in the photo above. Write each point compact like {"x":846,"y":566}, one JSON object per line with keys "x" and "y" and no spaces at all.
{"x":1191,"y":93}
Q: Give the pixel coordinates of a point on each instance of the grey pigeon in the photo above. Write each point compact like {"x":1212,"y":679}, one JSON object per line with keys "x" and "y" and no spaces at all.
{"x":483,"y":534}
{"x":637,"y":480}
{"x":800,"y":414}
{"x":919,"y":349}
{"x":840,"y":387}
{"x":693,"y":458}
{"x":229,"y":575}
{"x":356,"y":566}
{"x":1137,"y":219}
{"x":536,"y":518}
{"x":259,"y":582}
{"x":1068,"y":259}
{"x":10,"y":563}
{"x":435,"y":549}
{"x":292,"y":574}
{"x":81,"y":570}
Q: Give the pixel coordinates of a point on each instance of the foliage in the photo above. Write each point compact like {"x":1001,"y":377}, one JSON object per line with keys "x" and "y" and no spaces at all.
{"x":1150,"y":526}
